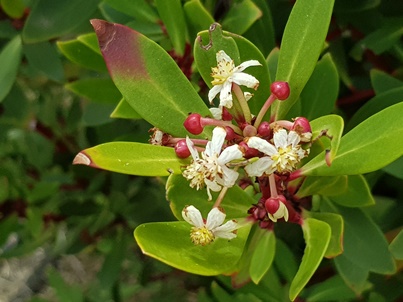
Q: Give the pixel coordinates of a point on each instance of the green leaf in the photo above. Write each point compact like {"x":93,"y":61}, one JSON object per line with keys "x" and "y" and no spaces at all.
{"x":376,"y":104}
{"x":317,"y":236}
{"x":302,"y":42}
{"x":138,"y":9}
{"x":97,"y":90}
{"x":132,"y":158}
{"x":346,"y":6}
{"x":244,"y":10}
{"x":285,"y":261}
{"x":82,"y":55}
{"x":263,"y":256}
{"x":368,"y":147}
{"x":10,"y":58}
{"x":202,"y":22}
{"x":319,"y":96}
{"x":44,"y":57}
{"x":396,"y":246}
{"x":91,"y":41}
{"x":322,"y":185}
{"x":208,"y":43}
{"x":50,"y":19}
{"x":64,"y":292}
{"x":13,"y":8}
{"x":382,"y":82}
{"x":335,"y":222}
{"x":236,"y":202}
{"x":148,"y":78}
{"x":395,"y":168}
{"x":170,"y":243}
{"x":354,"y":275}
{"x":357,"y":193}
{"x":364,"y":243}
{"x":124,"y":110}
{"x":173,"y":17}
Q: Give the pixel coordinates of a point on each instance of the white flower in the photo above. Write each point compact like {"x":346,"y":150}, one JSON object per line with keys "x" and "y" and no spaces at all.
{"x":204,"y":232}
{"x":211,"y":169}
{"x":283,"y":157}
{"x":225,"y":74}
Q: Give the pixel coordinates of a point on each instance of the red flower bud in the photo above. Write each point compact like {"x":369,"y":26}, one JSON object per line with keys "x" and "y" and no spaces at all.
{"x":181,"y":149}
{"x":301,"y":125}
{"x":193,"y":123}
{"x":280,"y":89}
{"x":264,"y":129}
{"x":272,"y":204}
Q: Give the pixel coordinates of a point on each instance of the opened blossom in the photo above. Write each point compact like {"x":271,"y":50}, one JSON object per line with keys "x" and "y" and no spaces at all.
{"x":226,"y":73}
{"x":282,"y":157}
{"x":203,"y":231}
{"x":210,"y":169}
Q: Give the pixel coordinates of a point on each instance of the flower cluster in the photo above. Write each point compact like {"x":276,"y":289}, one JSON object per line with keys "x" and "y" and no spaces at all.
{"x":243,"y":147}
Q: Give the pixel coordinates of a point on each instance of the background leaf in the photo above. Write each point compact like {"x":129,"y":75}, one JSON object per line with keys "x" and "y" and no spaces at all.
{"x":10,"y":58}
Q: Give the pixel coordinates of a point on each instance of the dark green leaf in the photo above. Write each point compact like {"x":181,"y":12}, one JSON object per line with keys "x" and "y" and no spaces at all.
{"x":396,"y":246}
{"x":13,"y":8}
{"x":97,"y":90}
{"x":202,"y":22}
{"x":263,"y":256}
{"x":10,"y":58}
{"x":244,"y":10}
{"x":382,"y":82}
{"x":124,"y":110}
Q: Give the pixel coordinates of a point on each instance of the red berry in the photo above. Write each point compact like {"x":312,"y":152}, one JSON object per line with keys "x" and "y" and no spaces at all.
{"x":301,"y":125}
{"x":272,"y":205}
{"x":181,"y":149}
{"x":264,"y":129}
{"x":280,"y":89}
{"x":193,"y":124}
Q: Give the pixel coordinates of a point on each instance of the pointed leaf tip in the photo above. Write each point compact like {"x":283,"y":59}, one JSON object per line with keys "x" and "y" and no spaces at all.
{"x":81,"y":159}
{"x":105,"y":32}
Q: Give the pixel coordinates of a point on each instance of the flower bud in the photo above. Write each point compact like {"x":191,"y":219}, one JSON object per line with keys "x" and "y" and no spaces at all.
{"x":249,"y":131}
{"x":276,"y":208}
{"x":181,"y":149}
{"x":280,"y":89}
{"x":193,"y":123}
{"x":248,"y":151}
{"x":303,"y":128}
{"x":264,"y":129}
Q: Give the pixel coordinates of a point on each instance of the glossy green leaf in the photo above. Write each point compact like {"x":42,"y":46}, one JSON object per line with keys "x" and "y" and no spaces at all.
{"x":148,"y":78}
{"x":376,"y":104}
{"x":91,"y":41}
{"x":357,"y":194}
{"x":10,"y":57}
{"x":263,"y":256}
{"x":337,"y":51}
{"x":368,"y":147}
{"x":302,"y":42}
{"x":236,"y":202}
{"x":395,"y":168}
{"x":97,"y":90}
{"x":272,"y":62}
{"x":82,"y":55}
{"x":173,"y":17}
{"x":132,"y":158}
{"x":170,"y":243}
{"x":364,"y":243}
{"x":244,"y":10}
{"x":332,"y":289}
{"x":353,"y":275}
{"x":285,"y":261}
{"x":317,"y":236}
{"x":124,"y":110}
{"x":202,"y":22}
{"x":322,"y":185}
{"x":240,"y":50}
{"x":262,"y":33}
{"x":138,"y":9}
{"x":382,"y":81}
{"x":50,"y":19}
{"x":13,"y":8}
{"x":335,"y":222}
{"x":45,"y":58}
{"x":320,"y":93}
{"x":396,"y":246}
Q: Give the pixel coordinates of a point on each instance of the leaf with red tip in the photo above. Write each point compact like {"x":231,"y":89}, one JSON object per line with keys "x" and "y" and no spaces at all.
{"x":132,"y":158}
{"x":148,"y":78}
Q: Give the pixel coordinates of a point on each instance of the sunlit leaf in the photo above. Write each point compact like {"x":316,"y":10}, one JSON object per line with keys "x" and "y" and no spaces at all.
{"x":263,"y":256}
{"x":124,"y":110}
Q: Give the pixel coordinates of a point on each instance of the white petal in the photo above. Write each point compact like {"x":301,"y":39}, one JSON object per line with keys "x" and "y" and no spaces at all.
{"x":247,"y":64}
{"x":214,"y":218}
{"x":226,"y":95}
{"x":259,"y":167}
{"x":193,"y":216}
{"x":280,"y":138}
{"x":261,"y":145}
{"x":222,"y":56}
{"x":215,"y":145}
{"x":229,"y":177}
{"x":293,"y":138}
{"x":230,"y":153}
{"x":245,"y":79}
{"x":216,"y":112}
{"x":192,"y":148}
{"x":212,"y":185}
{"x":226,"y":231}
{"x":213,"y":92}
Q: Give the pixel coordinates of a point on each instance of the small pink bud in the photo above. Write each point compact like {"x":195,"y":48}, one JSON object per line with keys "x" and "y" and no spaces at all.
{"x":193,"y":123}
{"x":280,"y":89}
{"x":272,"y":204}
{"x":226,"y":116}
{"x":247,"y":151}
{"x":301,"y":125}
{"x":249,"y":131}
{"x":181,"y":149}
{"x":264,"y":129}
